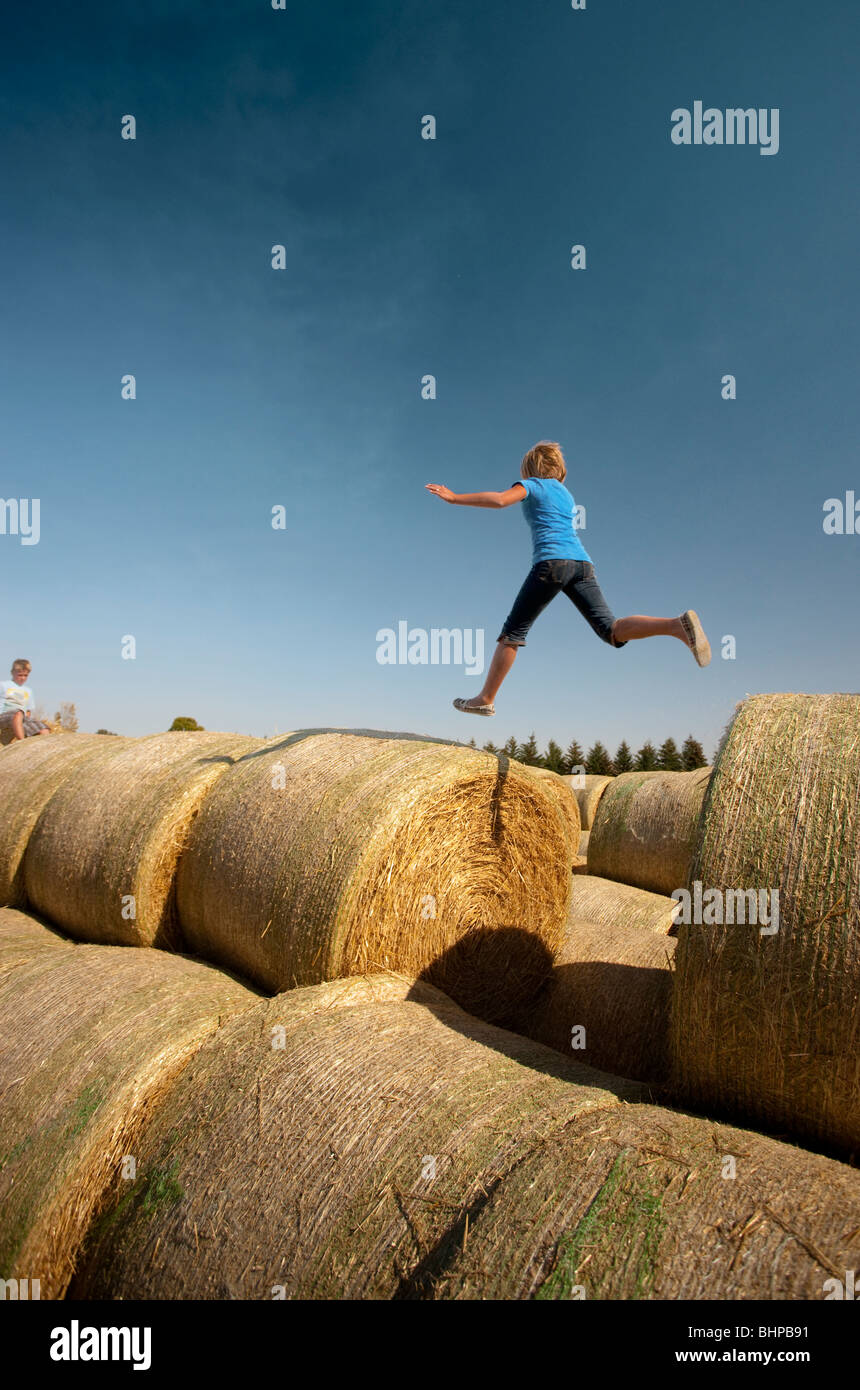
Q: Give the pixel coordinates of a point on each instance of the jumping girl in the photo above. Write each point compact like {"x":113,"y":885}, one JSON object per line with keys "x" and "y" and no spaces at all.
{"x":560,"y":563}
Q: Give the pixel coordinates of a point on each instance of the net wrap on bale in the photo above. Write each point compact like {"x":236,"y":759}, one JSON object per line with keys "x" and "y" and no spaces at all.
{"x":23,"y":936}
{"x":324,"y":1145}
{"x":31,"y":770}
{"x":645,"y":828}
{"x":644,"y":1203}
{"x":767,"y":1009}
{"x":336,"y":853}
{"x":93,"y":1037}
{"x":101,"y":861}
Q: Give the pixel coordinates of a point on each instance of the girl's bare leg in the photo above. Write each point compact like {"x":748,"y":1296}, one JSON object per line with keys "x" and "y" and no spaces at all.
{"x":503,"y":659}
{"x":632,"y":628}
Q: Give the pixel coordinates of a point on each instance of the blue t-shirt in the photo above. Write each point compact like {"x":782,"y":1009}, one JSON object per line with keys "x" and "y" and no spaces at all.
{"x":549,"y":510}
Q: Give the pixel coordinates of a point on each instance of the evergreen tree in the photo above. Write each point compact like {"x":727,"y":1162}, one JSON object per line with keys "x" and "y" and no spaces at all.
{"x":623,"y":758}
{"x":529,"y":753}
{"x":646,"y":758}
{"x":553,"y":758}
{"x":471,"y":743}
{"x":692,"y":754}
{"x":511,"y":747}
{"x":490,"y":748}
{"x":598,"y":761}
{"x":669,"y":759}
{"x":573,"y":758}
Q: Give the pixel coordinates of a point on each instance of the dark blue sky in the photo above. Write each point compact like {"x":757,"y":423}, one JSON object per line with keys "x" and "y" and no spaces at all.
{"x":301,"y":387}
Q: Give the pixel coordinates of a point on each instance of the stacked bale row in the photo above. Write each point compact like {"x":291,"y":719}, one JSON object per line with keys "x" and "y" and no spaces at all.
{"x":92,"y":1038}
{"x":311,"y":857}
{"x":101,"y":859}
{"x":31,"y":770}
{"x":366,"y":1139}
{"x":608,"y":998}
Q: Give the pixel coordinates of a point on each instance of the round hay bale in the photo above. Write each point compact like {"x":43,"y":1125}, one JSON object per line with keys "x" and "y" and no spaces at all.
{"x":767,"y":1022}
{"x":588,"y":789}
{"x":101,"y":861}
{"x":584,"y":838}
{"x":566,"y":806}
{"x":619,"y":907}
{"x":92,"y":1038}
{"x":331,"y":854}
{"x":31,"y":770}
{"x":645,"y":828}
{"x":324,"y":1145}
{"x":608,"y":999}
{"x":22,"y":937}
{"x":643,"y":1203}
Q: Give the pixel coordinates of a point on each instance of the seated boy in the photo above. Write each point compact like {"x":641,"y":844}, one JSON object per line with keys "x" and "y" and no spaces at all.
{"x":17,"y":711}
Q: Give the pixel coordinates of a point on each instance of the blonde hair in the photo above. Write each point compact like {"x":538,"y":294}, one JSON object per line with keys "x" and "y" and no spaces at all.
{"x":545,"y":460}
{"x":22,"y":664}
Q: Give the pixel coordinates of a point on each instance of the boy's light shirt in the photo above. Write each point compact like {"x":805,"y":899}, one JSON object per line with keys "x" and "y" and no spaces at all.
{"x":16,"y":696}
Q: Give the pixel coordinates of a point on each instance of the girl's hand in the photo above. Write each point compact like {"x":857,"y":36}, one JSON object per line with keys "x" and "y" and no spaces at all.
{"x":439,"y":490}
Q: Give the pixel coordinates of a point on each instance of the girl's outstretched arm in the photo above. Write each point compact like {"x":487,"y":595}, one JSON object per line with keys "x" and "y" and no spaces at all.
{"x":517,"y":493}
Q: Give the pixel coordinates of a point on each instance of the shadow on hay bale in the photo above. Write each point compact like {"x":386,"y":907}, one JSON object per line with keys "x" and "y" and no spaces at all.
{"x":31,"y":770}
{"x":767,"y":1025}
{"x":101,"y":860}
{"x":325,"y":854}
{"x":93,"y":1037}
{"x":325,"y":1143}
{"x":646,"y":826}
{"x":644,"y":1203}
{"x":465,"y":967}
{"x":616,"y":1012}
{"x":608,"y":997}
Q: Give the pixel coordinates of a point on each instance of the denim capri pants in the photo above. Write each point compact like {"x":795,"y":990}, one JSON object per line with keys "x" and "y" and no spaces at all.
{"x":548,"y":578}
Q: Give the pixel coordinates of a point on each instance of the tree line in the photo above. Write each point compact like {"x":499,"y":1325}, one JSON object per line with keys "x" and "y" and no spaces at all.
{"x":598,"y":761}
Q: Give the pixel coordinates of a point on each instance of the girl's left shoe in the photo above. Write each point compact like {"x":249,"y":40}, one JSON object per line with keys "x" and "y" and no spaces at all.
{"x":465,"y":708}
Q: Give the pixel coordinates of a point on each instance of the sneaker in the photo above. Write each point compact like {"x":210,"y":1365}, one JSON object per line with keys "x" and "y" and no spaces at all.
{"x":465,"y":708}
{"x":696,"y":639}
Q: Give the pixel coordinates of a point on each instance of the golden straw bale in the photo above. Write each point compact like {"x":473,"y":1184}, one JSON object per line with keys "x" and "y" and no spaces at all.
{"x":566,"y":805}
{"x":31,"y":770}
{"x":336,"y":853}
{"x":101,"y":861}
